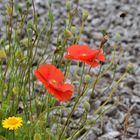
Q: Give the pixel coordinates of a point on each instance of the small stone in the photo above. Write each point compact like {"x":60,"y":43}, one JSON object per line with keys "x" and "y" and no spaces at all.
{"x":96,"y":21}
{"x":79,"y":112}
{"x":135,"y":99}
{"x":110,"y":136}
{"x":91,"y":136}
{"x":132,"y":130}
{"x":54,"y":128}
{"x":109,"y":110}
{"x":108,"y":127}
{"x":137,"y":123}
{"x":139,"y":133}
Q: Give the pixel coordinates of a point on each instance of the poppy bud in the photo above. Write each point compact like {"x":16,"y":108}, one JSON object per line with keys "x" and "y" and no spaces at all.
{"x":30,"y":33}
{"x":30,"y":25}
{"x":67,"y":34}
{"x":18,"y":33}
{"x":2,"y":54}
{"x":24,"y":42}
{"x":9,"y":10}
{"x":87,"y":106}
{"x":37,"y":136}
{"x":60,"y":47}
{"x":117,"y":38}
{"x":39,"y":103}
{"x":129,"y":67}
{"x":28,"y":122}
{"x":15,"y":90}
{"x":87,"y":78}
{"x":68,"y":5}
{"x":18,"y":55}
{"x":5,"y":86}
{"x":103,"y":41}
{"x":73,"y":29}
{"x":85,"y":14}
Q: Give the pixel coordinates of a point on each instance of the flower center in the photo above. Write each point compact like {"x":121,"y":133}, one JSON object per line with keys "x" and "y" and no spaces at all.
{"x":84,"y":54}
{"x":54,"y":82}
{"x":13,"y":122}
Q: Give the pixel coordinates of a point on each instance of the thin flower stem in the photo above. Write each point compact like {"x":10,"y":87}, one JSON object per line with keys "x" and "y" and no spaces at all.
{"x":75,"y":72}
{"x":84,"y":137}
{"x":38,"y":39}
{"x":67,"y":71}
{"x":34,"y":11}
{"x":81,"y":30}
{"x":100,"y":74}
{"x":9,"y":32}
{"x":72,"y":111}
{"x":13,"y":135}
{"x":109,"y":98}
{"x":96,"y":80}
{"x":77,"y":132}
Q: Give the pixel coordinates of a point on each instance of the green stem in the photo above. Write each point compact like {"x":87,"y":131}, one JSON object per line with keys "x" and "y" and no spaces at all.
{"x":72,"y":111}
{"x":100,"y":74}
{"x":13,"y":135}
{"x":81,"y":30}
{"x":99,"y":109}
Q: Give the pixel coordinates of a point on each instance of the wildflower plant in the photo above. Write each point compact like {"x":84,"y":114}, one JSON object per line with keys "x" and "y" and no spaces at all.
{"x":12,"y":123}
{"x":30,"y":109}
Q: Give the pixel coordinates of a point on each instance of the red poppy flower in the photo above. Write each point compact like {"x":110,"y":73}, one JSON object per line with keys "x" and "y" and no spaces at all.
{"x":85,"y":54}
{"x":52,"y":78}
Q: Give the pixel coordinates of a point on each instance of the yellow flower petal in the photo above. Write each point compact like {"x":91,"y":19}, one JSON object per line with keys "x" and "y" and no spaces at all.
{"x":12,"y":123}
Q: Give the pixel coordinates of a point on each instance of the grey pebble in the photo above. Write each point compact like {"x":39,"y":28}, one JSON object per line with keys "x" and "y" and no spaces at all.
{"x":109,"y":136}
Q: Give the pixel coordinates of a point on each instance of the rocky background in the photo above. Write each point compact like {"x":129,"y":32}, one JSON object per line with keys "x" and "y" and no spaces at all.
{"x":121,"y":17}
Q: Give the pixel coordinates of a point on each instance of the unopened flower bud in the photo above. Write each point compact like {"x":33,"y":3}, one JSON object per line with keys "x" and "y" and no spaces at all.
{"x":59,"y":46}
{"x":30,"y":33}
{"x":85,"y":14}
{"x":28,"y":122}
{"x":68,"y":5}
{"x":37,"y":136}
{"x":67,"y":33}
{"x":24,"y":42}
{"x":103,"y":41}
{"x":73,"y":29}
{"x":30,"y":25}
{"x":87,"y":78}
{"x":129,"y":67}
{"x":15,"y":90}
{"x":118,"y":36}
{"x":87,"y":106}
{"x":5,"y":86}
{"x":9,"y":10}
{"x":18,"y":55}
{"x":39,"y":103}
{"x":2,"y":54}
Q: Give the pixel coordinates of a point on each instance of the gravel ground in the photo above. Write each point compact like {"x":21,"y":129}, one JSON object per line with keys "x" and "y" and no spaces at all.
{"x":109,"y":15}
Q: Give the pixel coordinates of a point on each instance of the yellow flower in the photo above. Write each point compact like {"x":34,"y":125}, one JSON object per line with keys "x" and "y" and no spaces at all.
{"x":12,"y":123}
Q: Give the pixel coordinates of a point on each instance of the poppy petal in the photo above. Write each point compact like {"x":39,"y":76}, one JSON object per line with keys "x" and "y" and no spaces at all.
{"x":86,"y":54}
{"x":66,"y":87}
{"x":41,"y":78}
{"x":70,"y":56}
{"x":101,"y":57}
{"x":93,"y":64}
{"x":52,"y":79}
{"x":76,"y":50}
{"x":63,"y":96}
{"x":62,"y":93}
{"x":50,"y":72}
